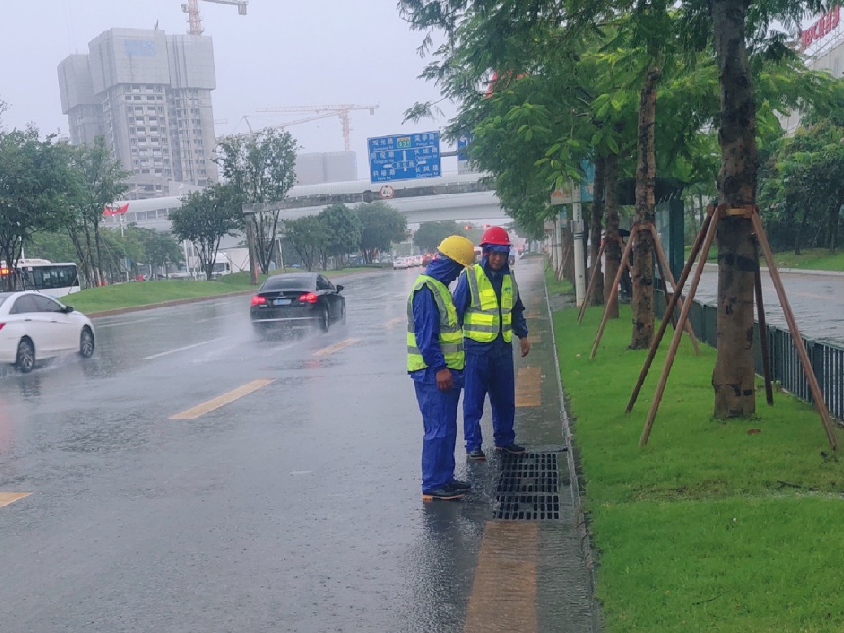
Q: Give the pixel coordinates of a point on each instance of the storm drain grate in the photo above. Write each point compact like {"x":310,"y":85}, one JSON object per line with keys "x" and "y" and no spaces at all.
{"x":528,"y":487}
{"x":528,"y":507}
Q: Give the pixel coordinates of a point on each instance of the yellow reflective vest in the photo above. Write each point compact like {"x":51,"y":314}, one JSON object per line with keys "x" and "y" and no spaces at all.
{"x":451,"y":336}
{"x":484,"y":318}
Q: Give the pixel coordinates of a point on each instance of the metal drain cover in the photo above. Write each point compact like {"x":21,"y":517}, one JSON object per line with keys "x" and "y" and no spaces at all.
{"x":528,"y":487}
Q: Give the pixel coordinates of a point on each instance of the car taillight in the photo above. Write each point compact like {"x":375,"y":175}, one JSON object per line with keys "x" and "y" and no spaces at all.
{"x":259,"y":301}
{"x":309,"y":297}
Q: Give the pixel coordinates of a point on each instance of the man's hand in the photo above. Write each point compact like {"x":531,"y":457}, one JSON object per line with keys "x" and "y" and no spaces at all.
{"x":444,"y":380}
{"x":524,"y":343}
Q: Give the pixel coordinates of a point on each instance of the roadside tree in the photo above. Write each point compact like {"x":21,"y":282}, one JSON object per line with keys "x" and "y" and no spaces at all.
{"x":342,"y":233}
{"x":261,"y":169}
{"x":429,"y":234}
{"x":381,"y":225}
{"x":204,"y":218}
{"x":307,"y":236}
{"x":100,"y":180}
{"x":34,"y":177}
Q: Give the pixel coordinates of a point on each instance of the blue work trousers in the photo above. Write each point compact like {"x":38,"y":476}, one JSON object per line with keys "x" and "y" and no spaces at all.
{"x":493,"y":375}
{"x":439,"y":416}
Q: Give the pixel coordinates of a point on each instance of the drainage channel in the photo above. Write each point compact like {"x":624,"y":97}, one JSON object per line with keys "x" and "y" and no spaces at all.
{"x":528,"y":487}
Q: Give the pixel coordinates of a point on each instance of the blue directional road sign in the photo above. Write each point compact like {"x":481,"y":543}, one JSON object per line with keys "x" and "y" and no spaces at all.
{"x":462,"y":143}
{"x":404,"y":157}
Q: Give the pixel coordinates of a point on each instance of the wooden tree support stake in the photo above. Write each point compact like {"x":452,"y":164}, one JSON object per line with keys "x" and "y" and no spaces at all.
{"x":817,"y":395}
{"x":669,"y":310}
{"x":613,"y":294}
{"x":678,"y":332}
{"x":763,"y":327}
{"x":666,"y":274}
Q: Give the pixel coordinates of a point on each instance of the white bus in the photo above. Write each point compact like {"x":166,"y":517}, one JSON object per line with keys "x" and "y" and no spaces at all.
{"x":54,"y":280}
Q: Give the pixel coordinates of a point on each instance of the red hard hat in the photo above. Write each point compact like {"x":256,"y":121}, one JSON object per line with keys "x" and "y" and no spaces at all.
{"x":495,"y":235}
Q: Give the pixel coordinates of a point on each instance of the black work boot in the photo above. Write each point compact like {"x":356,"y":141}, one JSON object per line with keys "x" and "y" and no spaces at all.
{"x":476,"y":455}
{"x":443,"y":494}
{"x":511,"y":449}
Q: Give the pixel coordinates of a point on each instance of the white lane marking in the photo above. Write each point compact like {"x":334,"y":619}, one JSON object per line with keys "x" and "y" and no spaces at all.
{"x":132,"y":322}
{"x":222,"y":316}
{"x":182,"y":349}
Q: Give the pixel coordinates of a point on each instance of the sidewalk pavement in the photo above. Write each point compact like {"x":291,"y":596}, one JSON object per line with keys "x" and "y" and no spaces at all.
{"x":532,"y":575}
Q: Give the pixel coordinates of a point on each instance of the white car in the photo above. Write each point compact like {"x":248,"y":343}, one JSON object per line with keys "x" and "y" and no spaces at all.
{"x":34,"y":327}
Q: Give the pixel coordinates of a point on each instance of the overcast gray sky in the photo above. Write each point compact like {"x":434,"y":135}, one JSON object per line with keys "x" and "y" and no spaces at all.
{"x":282,"y":53}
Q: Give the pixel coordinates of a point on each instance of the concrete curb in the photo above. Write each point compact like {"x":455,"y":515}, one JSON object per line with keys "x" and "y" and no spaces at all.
{"x":791,"y":271}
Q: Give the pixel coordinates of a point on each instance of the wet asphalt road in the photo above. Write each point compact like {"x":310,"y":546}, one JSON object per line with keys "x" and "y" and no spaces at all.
{"x":295,"y":507}
{"x":816,"y":299}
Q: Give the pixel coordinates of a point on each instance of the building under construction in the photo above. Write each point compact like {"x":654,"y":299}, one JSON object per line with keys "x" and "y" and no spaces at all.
{"x":149,"y":95}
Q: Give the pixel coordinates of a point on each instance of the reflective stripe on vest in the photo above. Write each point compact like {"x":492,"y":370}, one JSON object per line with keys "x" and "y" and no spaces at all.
{"x":484,"y":318}
{"x":451,"y":336}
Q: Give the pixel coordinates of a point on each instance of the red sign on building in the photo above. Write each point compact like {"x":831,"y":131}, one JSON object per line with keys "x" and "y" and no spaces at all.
{"x":823,"y":26}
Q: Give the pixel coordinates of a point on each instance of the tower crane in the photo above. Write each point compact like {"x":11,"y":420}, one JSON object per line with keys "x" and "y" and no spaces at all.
{"x":191,"y":7}
{"x":323,"y":111}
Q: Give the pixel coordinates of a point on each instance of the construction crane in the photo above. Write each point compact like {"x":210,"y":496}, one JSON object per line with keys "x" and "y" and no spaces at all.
{"x":191,"y":7}
{"x":323,"y":111}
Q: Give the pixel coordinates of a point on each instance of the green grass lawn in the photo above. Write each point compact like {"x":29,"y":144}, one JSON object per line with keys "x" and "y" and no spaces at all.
{"x":136,"y":294}
{"x":713,"y":526}
{"x":809,"y":259}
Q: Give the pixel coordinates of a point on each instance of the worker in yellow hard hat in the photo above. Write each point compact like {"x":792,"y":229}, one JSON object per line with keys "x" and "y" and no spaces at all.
{"x":435,"y":362}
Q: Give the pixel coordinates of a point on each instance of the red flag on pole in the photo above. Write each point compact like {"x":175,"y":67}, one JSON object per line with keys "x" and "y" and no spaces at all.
{"x":114,"y":209}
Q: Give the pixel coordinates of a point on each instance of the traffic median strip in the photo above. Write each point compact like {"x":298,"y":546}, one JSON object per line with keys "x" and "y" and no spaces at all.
{"x":10,"y":497}
{"x":219,"y":401}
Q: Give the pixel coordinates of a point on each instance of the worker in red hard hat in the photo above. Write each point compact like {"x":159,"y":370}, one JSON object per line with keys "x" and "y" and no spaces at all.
{"x":489,"y":308}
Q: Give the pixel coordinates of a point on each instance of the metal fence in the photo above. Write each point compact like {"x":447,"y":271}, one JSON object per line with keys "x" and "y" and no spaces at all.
{"x":827,"y":358}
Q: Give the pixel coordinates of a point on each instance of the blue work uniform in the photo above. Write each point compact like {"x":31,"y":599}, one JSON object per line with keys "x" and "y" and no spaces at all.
{"x":489,"y":367}
{"x":438,"y":408}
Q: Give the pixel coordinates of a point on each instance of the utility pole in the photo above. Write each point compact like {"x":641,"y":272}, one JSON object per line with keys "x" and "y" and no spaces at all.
{"x":577,"y":229}
{"x":250,"y":242}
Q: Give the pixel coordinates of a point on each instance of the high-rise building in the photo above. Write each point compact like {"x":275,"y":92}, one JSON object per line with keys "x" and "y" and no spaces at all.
{"x":149,"y":95}
{"x":321,"y":167}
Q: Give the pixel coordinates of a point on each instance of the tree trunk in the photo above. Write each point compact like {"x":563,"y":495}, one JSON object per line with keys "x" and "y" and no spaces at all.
{"x":612,"y":250}
{"x":98,"y":242}
{"x":642,"y":302}
{"x":733,"y":377}
{"x":833,"y":226}
{"x":568,"y":254}
{"x":597,"y":296}
{"x":89,"y":256}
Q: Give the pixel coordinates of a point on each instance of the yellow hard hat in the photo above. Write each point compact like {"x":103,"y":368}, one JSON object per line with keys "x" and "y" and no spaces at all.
{"x":458,"y":248}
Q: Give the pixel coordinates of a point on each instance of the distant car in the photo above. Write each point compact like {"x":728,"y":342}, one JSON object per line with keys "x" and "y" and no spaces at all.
{"x":34,"y":327}
{"x":400,"y":263}
{"x":293,"y":299}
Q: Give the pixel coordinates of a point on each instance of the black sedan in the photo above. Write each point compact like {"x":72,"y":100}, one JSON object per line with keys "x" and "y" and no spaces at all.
{"x":297,"y":299}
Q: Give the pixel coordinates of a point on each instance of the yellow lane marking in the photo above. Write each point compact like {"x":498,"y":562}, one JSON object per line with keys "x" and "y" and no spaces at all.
{"x":503,"y":594}
{"x":395,"y":322}
{"x":219,"y":401}
{"x":325,"y":351}
{"x":10,"y":497}
{"x":532,"y":315}
{"x":528,"y":381}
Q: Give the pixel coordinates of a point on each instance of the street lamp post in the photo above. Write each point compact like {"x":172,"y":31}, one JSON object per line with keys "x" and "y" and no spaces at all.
{"x":250,"y":243}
